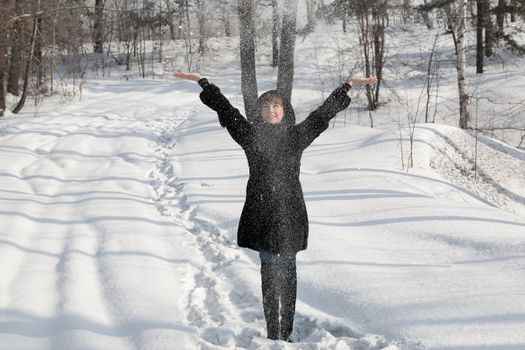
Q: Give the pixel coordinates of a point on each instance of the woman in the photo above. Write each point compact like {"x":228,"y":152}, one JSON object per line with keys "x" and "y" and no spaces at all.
{"x":274,"y":220}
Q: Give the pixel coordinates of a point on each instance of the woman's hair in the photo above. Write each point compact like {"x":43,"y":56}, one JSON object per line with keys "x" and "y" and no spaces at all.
{"x":269,"y":98}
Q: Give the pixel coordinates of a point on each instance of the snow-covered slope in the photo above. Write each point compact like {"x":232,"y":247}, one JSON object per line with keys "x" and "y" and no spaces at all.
{"x":118,"y":218}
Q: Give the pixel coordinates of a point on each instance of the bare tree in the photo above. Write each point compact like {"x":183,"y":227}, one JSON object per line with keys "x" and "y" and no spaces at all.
{"x":275,"y":34}
{"x":169,"y":17}
{"x":287,"y":50}
{"x":128,"y":28}
{"x":38,"y":55}
{"x":247,"y":52}
{"x":187,"y":35}
{"x":500,"y":16}
{"x":201,"y":19}
{"x":484,"y":43}
{"x":15,"y":58}
{"x":22,"y":100}
{"x":426,"y":17}
{"x":98,"y":28}
{"x":490,"y":30}
{"x":457,"y":26}
{"x":464,"y":113}
{"x":3,"y":43}
{"x":372,"y":22}
{"x":407,"y":10}
{"x":480,"y":21}
{"x":430,"y":78}
{"x":311,"y":6}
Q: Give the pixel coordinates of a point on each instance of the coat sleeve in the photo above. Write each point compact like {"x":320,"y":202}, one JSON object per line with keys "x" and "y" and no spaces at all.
{"x":229,"y":116}
{"x":317,"y":122}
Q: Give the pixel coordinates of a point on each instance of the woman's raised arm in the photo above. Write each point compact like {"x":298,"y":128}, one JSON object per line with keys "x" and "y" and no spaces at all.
{"x":229,"y":116}
{"x":317,"y":121}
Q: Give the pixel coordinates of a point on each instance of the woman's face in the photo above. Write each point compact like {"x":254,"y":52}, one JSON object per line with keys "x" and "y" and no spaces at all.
{"x":272,"y":111}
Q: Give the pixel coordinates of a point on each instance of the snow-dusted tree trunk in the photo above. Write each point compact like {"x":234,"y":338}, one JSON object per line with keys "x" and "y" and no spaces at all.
{"x":188,"y":36}
{"x":275,"y":34}
{"x":247,"y":51}
{"x":464,"y":116}
{"x":287,"y":50}
{"x":98,"y":27}
{"x":201,"y":16}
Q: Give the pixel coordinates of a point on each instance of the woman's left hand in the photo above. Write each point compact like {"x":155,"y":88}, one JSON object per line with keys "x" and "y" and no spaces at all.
{"x":362,"y":80}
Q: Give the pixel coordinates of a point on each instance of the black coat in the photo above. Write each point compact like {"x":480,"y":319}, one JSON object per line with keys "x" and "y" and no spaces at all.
{"x":274,"y":217}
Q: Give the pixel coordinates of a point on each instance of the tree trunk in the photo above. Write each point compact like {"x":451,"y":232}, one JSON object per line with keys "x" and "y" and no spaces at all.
{"x":450,"y":26}
{"x":464,"y":114}
{"x":490,"y":31}
{"x":169,"y":9}
{"x":15,"y":58}
{"x":500,"y":17}
{"x":182,"y":11}
{"x":247,"y":52}
{"x":275,"y":34}
{"x":430,"y":78}
{"x":286,"y":53}
{"x":372,"y":21}
{"x":426,"y":17}
{"x":379,"y":48}
{"x":98,"y":28}
{"x":407,"y":10}
{"x":227,"y":25}
{"x":187,"y":36}
{"x":480,"y":24}
{"x":22,"y":101}
{"x":3,"y":43}
{"x":310,"y":10}
{"x":39,"y":66}
{"x":160,"y":33}
{"x":202,"y":26}
{"x":364,"y":40}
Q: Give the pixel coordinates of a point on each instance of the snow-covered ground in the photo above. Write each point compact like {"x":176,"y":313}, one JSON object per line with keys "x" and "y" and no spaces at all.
{"x":118,"y":217}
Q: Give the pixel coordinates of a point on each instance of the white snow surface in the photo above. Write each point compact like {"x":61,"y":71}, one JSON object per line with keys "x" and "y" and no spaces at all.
{"x":118,"y":218}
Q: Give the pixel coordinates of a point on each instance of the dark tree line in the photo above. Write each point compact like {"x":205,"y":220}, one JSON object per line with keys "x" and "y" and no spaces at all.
{"x":43,"y":41}
{"x":489,"y":18}
{"x":34,"y":36}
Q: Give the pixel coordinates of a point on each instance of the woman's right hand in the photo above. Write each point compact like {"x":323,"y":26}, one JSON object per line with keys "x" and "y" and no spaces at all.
{"x":189,"y":76}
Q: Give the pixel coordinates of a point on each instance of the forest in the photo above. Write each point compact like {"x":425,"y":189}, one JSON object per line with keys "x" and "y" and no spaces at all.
{"x":50,"y":47}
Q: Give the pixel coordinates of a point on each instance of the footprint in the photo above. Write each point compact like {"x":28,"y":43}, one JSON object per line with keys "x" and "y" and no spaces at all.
{"x":219,"y":336}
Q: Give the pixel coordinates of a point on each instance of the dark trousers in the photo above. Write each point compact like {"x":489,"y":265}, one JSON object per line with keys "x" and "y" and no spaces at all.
{"x":279,"y":290}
